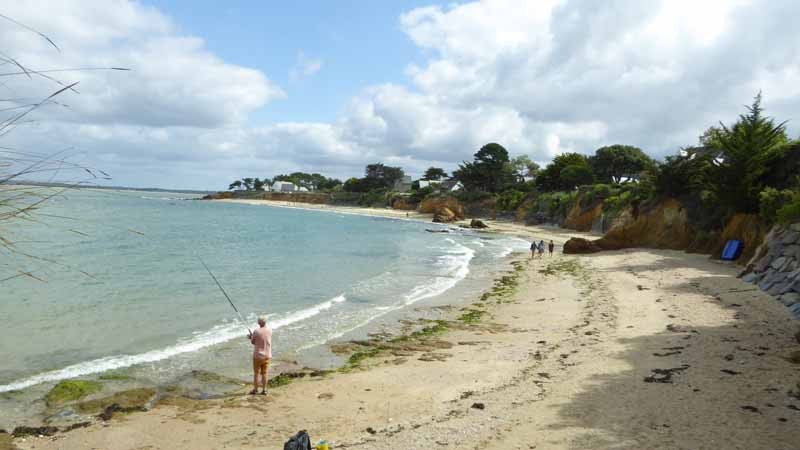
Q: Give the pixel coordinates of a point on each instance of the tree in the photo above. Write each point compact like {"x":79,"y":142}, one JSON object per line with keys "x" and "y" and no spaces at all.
{"x":679,"y":175}
{"x":258,"y":184}
{"x":235,"y":185}
{"x":310,"y":181}
{"x":615,"y":162}
{"x":549,"y":179}
{"x":379,"y":176}
{"x":434,"y":174}
{"x":523,"y":168}
{"x":248,"y":183}
{"x":354,"y":185}
{"x":575,"y":175}
{"x":739,"y":156}
{"x":490,"y":171}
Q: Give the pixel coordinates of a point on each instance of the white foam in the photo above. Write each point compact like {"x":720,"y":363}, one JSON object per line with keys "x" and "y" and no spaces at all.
{"x":456,"y":266}
{"x":216,"y":335}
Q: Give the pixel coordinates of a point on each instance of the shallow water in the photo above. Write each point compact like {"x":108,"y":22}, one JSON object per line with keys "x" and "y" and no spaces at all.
{"x":147,"y":306}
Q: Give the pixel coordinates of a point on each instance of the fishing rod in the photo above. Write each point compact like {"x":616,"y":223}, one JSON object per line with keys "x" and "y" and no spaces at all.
{"x":212,"y":276}
{"x":225,"y":294}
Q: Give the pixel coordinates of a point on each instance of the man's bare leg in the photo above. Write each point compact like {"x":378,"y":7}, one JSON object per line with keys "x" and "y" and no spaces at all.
{"x":264,"y":380}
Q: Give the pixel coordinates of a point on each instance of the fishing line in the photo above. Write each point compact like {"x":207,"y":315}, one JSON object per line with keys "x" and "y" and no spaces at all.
{"x":224,"y":293}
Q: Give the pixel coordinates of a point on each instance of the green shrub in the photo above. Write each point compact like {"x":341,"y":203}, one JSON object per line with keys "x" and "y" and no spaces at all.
{"x":599,"y":191}
{"x":510,"y":200}
{"x":790,"y":212}
{"x":375,"y":198}
{"x":465,"y":196}
{"x":771,"y":200}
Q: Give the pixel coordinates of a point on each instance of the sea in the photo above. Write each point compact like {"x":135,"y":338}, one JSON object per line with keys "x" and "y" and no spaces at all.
{"x":115,"y":282}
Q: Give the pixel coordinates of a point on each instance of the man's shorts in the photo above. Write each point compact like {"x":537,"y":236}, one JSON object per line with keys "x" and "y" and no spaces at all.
{"x":261,"y":365}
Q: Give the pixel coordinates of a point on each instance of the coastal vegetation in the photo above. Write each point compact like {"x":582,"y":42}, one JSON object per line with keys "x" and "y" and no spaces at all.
{"x":748,"y":167}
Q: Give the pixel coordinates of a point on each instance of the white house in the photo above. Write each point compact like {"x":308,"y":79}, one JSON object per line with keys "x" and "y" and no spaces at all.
{"x":302,"y":189}
{"x":428,"y":183}
{"x":283,"y":186}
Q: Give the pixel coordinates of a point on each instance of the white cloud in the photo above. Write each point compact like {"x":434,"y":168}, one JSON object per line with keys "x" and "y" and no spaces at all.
{"x":174,"y":80}
{"x":305,"y":67}
{"x":538,"y":76}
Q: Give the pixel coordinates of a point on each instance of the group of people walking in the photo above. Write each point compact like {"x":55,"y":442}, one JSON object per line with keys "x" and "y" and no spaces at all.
{"x":540,"y":248}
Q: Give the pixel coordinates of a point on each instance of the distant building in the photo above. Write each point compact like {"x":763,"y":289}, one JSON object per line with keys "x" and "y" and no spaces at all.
{"x":403,"y":184}
{"x":428,"y":183}
{"x":451,"y":185}
{"x":302,"y":189}
{"x":284,"y":186}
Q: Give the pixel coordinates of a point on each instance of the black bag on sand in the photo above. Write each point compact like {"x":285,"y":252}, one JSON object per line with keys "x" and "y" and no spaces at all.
{"x":299,"y":441}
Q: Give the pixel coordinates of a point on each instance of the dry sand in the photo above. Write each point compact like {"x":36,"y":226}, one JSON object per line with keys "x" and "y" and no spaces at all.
{"x":637,"y":349}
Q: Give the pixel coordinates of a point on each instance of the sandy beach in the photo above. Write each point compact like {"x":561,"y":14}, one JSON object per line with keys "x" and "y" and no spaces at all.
{"x":558,"y":235}
{"x":635,"y":349}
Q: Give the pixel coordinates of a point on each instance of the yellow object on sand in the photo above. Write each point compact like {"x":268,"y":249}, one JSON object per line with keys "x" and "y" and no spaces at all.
{"x":322,"y":445}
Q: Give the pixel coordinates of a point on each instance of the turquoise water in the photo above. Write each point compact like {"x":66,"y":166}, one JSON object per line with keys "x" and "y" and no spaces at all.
{"x":146,"y":304}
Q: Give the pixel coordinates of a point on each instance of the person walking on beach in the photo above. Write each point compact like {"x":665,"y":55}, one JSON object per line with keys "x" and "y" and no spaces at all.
{"x":533,"y":249}
{"x":551,"y":246}
{"x":261,"y":339}
{"x":541,"y":248}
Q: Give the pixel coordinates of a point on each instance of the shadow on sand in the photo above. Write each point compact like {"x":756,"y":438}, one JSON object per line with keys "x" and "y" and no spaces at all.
{"x":722,"y":387}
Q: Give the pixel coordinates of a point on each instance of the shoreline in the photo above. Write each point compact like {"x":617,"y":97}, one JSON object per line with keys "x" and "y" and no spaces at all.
{"x":624,"y":349}
{"x":559,"y":235}
{"x":288,"y":362}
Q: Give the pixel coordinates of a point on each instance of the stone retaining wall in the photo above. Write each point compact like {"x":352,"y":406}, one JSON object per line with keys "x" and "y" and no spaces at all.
{"x":775,"y":268}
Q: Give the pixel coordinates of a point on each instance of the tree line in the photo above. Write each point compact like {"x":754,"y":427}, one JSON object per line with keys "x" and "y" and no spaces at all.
{"x":310,"y":181}
{"x":749,"y":166}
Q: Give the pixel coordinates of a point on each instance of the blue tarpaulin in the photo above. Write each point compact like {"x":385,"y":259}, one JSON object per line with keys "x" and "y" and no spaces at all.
{"x":732,"y":250}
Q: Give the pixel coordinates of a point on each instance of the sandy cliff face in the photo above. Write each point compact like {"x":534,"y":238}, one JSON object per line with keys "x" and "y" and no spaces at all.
{"x":666,"y":225}
{"x":438,"y":204}
{"x":403,"y":203}
{"x":583,"y":217}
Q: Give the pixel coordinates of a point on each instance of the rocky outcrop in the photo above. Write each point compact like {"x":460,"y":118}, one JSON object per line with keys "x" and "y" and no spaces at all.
{"x":579,"y":246}
{"x":445,"y":207}
{"x":775,"y":268}
{"x":444,"y":215}
{"x":477,"y":223}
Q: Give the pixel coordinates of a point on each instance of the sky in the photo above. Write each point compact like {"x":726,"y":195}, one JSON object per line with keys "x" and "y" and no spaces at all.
{"x":218,"y":91}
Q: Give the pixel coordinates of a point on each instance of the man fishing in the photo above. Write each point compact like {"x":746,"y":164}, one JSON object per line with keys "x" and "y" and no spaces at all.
{"x":261,"y":339}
